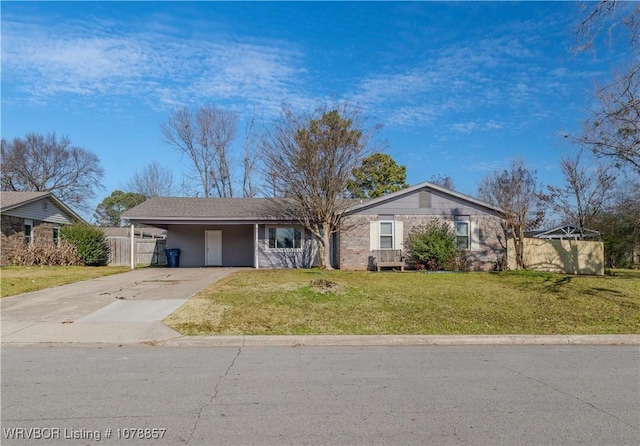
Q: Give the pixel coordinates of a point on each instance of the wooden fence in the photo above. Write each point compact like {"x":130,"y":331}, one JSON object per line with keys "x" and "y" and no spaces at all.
{"x":560,"y":256}
{"x":148,"y":251}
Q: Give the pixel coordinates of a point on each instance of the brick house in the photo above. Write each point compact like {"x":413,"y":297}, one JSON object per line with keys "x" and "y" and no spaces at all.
{"x":241,"y":232}
{"x":31,"y":218}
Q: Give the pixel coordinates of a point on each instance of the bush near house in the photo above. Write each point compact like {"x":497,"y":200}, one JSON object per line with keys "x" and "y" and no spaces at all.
{"x":41,"y":254}
{"x":89,"y":242}
{"x":433,"y":246}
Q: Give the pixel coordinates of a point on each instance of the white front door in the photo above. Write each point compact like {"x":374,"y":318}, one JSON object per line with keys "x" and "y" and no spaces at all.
{"x":213,"y":248}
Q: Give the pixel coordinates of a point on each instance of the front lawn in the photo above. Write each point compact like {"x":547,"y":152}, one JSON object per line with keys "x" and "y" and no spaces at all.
{"x":22,"y":279}
{"x":285,"y":302}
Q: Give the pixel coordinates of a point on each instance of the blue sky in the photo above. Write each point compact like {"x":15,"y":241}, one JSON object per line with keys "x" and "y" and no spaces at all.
{"x":460,"y":88}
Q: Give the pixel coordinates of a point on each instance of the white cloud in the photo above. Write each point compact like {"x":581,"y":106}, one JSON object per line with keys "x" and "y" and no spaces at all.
{"x":162,"y":70}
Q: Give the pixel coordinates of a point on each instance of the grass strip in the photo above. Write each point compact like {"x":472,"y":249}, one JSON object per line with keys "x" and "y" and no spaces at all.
{"x":18,"y":280}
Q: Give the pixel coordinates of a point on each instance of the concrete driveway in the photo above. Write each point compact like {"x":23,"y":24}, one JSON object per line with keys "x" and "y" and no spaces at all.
{"x":123,"y":308}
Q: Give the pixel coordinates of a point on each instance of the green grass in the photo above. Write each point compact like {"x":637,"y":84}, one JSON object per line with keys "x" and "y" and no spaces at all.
{"x":285,"y":302}
{"x":22,"y":279}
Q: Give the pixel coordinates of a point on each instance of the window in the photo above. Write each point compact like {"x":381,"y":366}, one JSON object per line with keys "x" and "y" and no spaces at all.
{"x":56,"y":237}
{"x":285,"y":238}
{"x":28,"y":232}
{"x":386,"y":235}
{"x":462,"y":234}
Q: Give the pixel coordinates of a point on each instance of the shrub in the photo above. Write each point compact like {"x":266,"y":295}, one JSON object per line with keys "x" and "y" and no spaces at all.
{"x":433,"y":246}
{"x":89,"y":242}
{"x":41,"y":254}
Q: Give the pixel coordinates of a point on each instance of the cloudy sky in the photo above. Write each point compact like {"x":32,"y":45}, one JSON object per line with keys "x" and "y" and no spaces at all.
{"x":460,"y":88}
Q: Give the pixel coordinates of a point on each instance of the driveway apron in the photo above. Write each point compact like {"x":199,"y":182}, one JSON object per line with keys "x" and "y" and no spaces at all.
{"x":122,"y":308}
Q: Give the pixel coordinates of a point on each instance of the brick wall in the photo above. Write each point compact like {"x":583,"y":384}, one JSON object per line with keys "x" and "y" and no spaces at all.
{"x":354,"y":242}
{"x":13,"y":235}
{"x":354,"y":245}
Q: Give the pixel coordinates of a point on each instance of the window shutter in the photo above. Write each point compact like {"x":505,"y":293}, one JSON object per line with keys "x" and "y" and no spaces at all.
{"x":474,"y":233}
{"x":374,"y":235}
{"x":398,"y":236}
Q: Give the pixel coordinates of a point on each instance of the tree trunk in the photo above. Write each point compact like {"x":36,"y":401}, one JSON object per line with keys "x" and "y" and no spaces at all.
{"x":519,"y":245}
{"x":325,"y":248}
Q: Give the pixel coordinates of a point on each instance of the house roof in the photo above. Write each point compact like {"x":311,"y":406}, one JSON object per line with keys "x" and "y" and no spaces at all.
{"x":162,"y":210}
{"x":423,"y":185}
{"x":11,"y":200}
{"x":206,"y":209}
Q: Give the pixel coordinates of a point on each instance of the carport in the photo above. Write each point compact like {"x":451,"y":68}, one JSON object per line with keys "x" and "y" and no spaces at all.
{"x":228,"y":232}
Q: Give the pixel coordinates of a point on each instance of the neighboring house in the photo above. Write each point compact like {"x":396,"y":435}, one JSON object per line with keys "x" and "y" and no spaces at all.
{"x":566,"y":232}
{"x":30,"y":218}
{"x":243,"y":231}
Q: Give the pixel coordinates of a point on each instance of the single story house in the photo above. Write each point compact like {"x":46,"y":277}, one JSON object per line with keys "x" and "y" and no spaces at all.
{"x":30,"y":218}
{"x":243,"y":231}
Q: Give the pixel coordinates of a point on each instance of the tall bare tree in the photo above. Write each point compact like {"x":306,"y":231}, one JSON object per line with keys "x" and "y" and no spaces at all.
{"x":309,"y":159}
{"x":586,"y":190}
{"x":517,"y":193}
{"x":152,"y":180}
{"x":46,"y":163}
{"x":249,"y":159}
{"x":613,"y":127}
{"x":204,"y":136}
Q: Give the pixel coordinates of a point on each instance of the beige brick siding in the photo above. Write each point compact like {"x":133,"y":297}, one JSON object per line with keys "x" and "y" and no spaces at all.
{"x":354,"y":244}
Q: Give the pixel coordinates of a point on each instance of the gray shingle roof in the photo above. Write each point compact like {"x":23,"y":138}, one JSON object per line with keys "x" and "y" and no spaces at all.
{"x":10,"y":199}
{"x":200,"y":208}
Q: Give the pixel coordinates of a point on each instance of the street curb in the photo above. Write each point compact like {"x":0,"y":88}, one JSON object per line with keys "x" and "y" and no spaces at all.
{"x":396,"y":340}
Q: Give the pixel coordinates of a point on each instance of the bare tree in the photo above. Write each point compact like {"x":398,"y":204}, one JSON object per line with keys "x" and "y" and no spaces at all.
{"x":585,"y":192}
{"x":205,"y":137}
{"x":152,"y":180}
{"x":517,"y":193}
{"x":614,"y":17}
{"x":443,"y":180}
{"x":249,"y":160}
{"x":309,"y":160}
{"x":46,"y":163}
{"x":613,"y":128}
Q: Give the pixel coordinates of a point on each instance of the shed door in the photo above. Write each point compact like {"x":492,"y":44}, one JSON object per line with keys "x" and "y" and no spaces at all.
{"x":213,"y":248}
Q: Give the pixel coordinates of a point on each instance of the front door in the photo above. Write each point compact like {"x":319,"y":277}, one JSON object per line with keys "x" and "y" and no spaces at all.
{"x":213,"y":248}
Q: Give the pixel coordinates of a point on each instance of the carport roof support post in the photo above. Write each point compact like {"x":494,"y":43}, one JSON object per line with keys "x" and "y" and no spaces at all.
{"x":133,"y":246}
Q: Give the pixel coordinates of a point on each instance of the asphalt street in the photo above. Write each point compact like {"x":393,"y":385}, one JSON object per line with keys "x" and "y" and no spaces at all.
{"x":416,"y":395}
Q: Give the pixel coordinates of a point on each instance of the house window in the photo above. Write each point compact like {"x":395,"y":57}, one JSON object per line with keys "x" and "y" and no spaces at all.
{"x":462,"y":234}
{"x":56,"y":237}
{"x":386,"y":235}
{"x":285,"y":238}
{"x":28,"y":232}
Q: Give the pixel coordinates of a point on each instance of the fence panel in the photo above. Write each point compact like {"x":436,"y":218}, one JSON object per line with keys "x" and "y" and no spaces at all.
{"x":561,"y":256}
{"x":148,"y":251}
